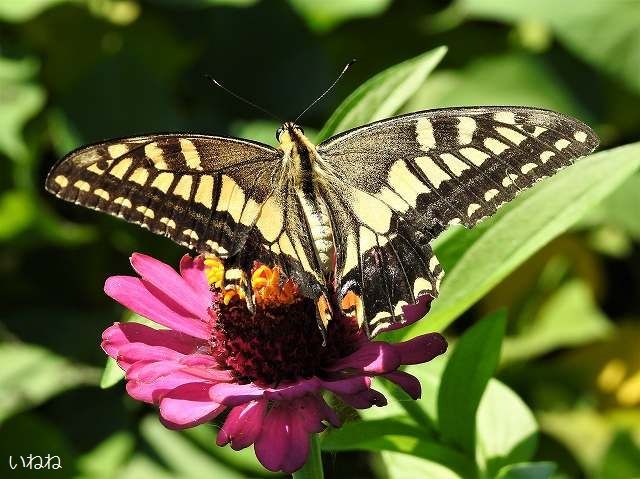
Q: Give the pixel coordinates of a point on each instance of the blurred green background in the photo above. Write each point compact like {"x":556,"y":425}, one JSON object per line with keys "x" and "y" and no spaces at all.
{"x":74,"y":71}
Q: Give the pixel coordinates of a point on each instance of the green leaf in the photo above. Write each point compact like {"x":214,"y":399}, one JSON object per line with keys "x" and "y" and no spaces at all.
{"x":142,"y":467}
{"x":604,"y":33}
{"x":405,"y":466}
{"x":20,"y":100}
{"x":108,"y":458}
{"x":356,"y":434}
{"x":465,"y":377}
{"x":569,"y":318}
{"x":17,"y":211}
{"x":111,"y":374}
{"x":622,"y":458}
{"x":506,"y":430}
{"x":527,"y":470}
{"x":22,"y":10}
{"x":181,"y":455}
{"x":30,"y":375}
{"x":383,"y":95}
{"x":500,"y":244}
{"x":397,"y":437}
{"x":508,"y":79}
{"x":323,"y":16}
{"x":244,"y":459}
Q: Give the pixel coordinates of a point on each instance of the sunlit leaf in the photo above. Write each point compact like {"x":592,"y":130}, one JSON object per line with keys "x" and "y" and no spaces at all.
{"x":30,"y":375}
{"x":108,"y":458}
{"x":528,"y":470}
{"x":406,"y":466}
{"x":604,"y":33}
{"x":569,"y":318}
{"x":244,"y":459}
{"x":21,"y":10}
{"x":506,"y":429}
{"x":324,"y":15}
{"x":363,"y":436}
{"x":382,"y":95}
{"x":502,"y":243}
{"x":470,"y":366}
{"x":181,"y":455}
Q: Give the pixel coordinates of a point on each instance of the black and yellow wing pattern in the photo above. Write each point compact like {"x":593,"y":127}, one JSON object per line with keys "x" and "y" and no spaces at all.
{"x":399,"y":182}
{"x":389,"y":188}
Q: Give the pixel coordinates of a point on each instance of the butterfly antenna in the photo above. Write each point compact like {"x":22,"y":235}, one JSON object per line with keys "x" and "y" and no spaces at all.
{"x":242,"y":99}
{"x":344,"y":70}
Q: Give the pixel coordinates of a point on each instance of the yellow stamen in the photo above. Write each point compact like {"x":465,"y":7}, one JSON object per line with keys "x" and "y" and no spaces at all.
{"x":214,"y":270}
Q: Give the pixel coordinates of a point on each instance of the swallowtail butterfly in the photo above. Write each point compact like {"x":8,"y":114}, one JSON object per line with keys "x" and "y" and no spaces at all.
{"x":352,"y":217}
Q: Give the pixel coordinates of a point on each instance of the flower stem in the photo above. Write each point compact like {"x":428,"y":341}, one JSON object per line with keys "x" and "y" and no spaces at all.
{"x":313,"y":468}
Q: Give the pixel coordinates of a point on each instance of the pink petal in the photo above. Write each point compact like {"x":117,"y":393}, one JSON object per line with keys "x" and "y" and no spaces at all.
{"x":153,"y":391}
{"x":231,"y":394}
{"x":374,"y":357}
{"x":283,"y":443}
{"x":406,"y":381}
{"x":350,"y":385}
{"x":188,"y":405}
{"x":243,"y":425}
{"x":311,"y":413}
{"x":167,"y":280}
{"x":365,"y":399}
{"x":192,"y":271}
{"x":421,"y":349}
{"x":131,"y":353}
{"x":272,"y":444}
{"x":295,"y":390}
{"x":119,"y":334}
{"x":298,"y":450}
{"x":149,"y":302}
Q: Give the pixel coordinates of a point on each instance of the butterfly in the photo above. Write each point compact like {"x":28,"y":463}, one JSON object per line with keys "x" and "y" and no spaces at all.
{"x":351,"y":219}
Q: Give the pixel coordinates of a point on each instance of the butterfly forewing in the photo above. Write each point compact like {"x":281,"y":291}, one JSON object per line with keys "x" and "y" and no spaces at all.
{"x":407,"y":178}
{"x":203,"y":192}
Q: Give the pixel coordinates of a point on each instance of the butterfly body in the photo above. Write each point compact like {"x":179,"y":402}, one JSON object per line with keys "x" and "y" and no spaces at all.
{"x":351,"y":217}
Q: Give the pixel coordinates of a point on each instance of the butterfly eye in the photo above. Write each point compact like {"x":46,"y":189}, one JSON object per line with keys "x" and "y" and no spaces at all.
{"x":278,"y":133}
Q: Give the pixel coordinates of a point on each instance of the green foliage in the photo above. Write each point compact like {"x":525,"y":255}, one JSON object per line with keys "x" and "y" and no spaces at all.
{"x":472,"y":363}
{"x":73,"y":72}
{"x":602,"y":32}
{"x":30,"y":375}
{"x":383,"y":95}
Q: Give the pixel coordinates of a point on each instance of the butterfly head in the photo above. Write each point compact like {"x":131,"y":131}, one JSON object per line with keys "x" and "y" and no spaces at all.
{"x":288,"y":132}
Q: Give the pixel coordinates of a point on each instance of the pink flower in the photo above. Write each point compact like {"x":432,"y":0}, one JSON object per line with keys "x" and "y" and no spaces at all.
{"x":266,"y":370}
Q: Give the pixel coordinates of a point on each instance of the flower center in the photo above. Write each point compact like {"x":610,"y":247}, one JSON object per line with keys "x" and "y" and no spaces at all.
{"x":281,"y":341}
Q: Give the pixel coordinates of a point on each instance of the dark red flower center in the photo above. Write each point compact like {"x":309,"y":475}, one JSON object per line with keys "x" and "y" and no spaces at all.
{"x":279,"y":342}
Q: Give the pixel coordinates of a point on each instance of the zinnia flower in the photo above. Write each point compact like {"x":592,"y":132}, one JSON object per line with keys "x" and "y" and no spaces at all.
{"x":267,"y":370}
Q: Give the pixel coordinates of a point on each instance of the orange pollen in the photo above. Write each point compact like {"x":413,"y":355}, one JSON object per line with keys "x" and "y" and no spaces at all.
{"x":266,"y":286}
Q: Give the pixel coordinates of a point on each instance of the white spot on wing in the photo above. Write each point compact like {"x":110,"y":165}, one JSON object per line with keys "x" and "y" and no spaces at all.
{"x":424,"y":134}
{"x":495,"y":146}
{"x":561,"y":144}
{"x":581,"y":136}
{"x":434,"y":173}
{"x":466,"y":128}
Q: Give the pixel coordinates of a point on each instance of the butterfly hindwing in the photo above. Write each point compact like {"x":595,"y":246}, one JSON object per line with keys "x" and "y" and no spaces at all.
{"x":203,"y":192}
{"x":407,"y":178}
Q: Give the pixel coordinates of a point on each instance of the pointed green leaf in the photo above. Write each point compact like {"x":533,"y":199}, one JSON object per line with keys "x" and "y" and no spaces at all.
{"x":528,"y":470}
{"x":470,"y":366}
{"x":383,"y":95}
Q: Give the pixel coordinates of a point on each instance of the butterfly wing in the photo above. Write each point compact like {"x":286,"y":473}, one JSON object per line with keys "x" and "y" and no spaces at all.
{"x":404,"y":179}
{"x":203,"y":192}
{"x":211,"y":194}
